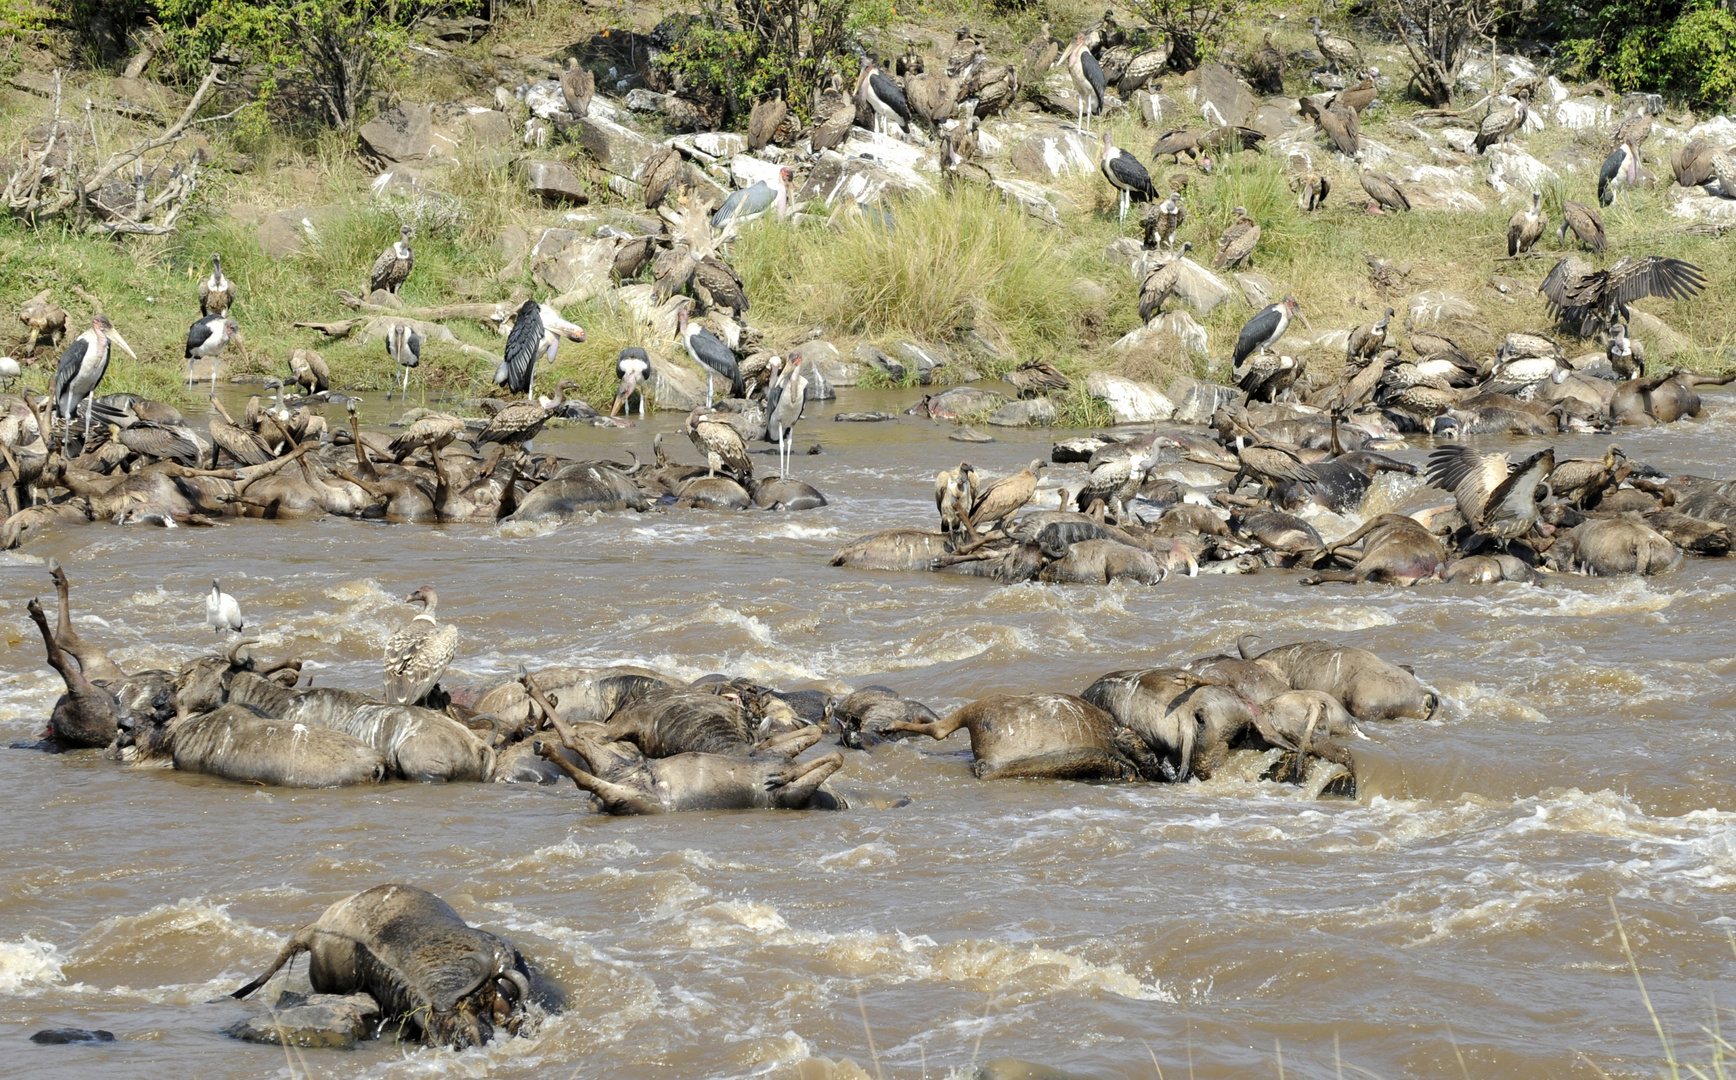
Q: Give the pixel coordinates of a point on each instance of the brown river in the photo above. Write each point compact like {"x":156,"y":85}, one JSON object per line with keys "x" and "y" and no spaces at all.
{"x":1454,"y":920}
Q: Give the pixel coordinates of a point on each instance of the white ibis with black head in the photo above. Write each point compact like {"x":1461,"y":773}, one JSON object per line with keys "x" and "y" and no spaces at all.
{"x":631,"y":367}
{"x":1088,"y":80}
{"x":537,"y":331}
{"x":222,"y":611}
{"x":709,"y":352}
{"x":752,"y":201}
{"x":1622,"y":167}
{"x":1124,"y":171}
{"x":877,"y":90}
{"x":786,"y":398}
{"x":216,"y":293}
{"x":82,"y":367}
{"x":404,"y":344}
{"x":1265,"y":328}
{"x":206,"y":339}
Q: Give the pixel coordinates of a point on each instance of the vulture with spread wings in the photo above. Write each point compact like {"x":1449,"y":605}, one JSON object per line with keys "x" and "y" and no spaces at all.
{"x":1586,"y":297}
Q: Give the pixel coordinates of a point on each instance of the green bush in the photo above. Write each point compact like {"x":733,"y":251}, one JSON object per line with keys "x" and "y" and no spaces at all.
{"x":1200,"y":28}
{"x":1686,"y":52}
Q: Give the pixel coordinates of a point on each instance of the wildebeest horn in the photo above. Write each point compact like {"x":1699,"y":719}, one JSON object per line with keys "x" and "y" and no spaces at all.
{"x":236,"y":648}
{"x":519,"y":982}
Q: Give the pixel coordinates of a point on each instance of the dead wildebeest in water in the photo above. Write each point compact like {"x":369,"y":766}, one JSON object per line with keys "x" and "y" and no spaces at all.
{"x":445,"y":982}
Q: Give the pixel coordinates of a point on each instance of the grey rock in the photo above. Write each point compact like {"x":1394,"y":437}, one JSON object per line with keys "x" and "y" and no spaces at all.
{"x":969,"y":434}
{"x":1272,"y":122}
{"x":863,"y":417}
{"x":1196,"y":400}
{"x":925,"y":359}
{"x":71,"y":1036}
{"x":1199,"y":288}
{"x":617,"y":149}
{"x":963,"y":401}
{"x":1257,"y":289}
{"x":1079,"y":449}
{"x":869,"y":356}
{"x":554,"y":181}
{"x":1129,"y":402}
{"x":861,"y":180}
{"x":676,"y":384}
{"x":402,"y":133}
{"x":642,"y":100}
{"x":1032,"y":412}
{"x":1159,"y":110}
{"x":1227,"y":94}
{"x":317,"y":1020}
{"x":287,"y":231}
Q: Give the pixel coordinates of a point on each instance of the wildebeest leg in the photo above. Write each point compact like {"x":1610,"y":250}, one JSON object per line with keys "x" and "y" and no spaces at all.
{"x":1341,"y":576}
{"x":790,"y":743}
{"x":937,"y":729}
{"x":617,"y":798}
{"x":796,"y":785}
{"x":299,"y":943}
{"x":1150,"y":765}
{"x":91,"y":660}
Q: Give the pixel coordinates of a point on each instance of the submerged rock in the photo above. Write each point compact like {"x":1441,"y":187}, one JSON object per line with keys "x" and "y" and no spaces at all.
{"x":326,"y":1021}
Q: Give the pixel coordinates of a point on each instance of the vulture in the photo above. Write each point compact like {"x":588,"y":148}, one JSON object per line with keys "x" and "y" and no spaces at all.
{"x":1338,"y":52}
{"x":1692,"y":163}
{"x":1144,"y":67}
{"x":1577,"y":293}
{"x":1311,"y":191}
{"x":1237,"y":242}
{"x":660,"y":173}
{"x":578,"y":86}
{"x":1585,"y":223}
{"x":1501,"y":123}
{"x":1341,"y":127}
{"x":1497,"y":497}
{"x":1159,"y":285}
{"x":1359,"y":97}
{"x":393,"y":266}
{"x":417,"y":655}
{"x":717,"y":284}
{"x":1526,"y":226}
{"x":1367,"y":340}
{"x":308,"y":369}
{"x":763,"y":122}
{"x":216,"y":293}
{"x":1384,"y":190}
{"x":1266,"y":68}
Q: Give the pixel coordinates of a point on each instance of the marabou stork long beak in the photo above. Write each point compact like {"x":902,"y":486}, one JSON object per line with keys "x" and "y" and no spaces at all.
{"x":628,"y":386}
{"x":115,"y":336}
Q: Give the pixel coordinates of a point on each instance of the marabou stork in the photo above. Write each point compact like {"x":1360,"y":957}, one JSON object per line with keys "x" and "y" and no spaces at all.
{"x":537,"y":331}
{"x":404,"y":344}
{"x":1088,"y":81}
{"x":1497,"y":498}
{"x":393,"y":266}
{"x":631,"y":367}
{"x":1265,"y":328}
{"x":1124,"y":171}
{"x":82,"y":367}
{"x":222,"y":611}
{"x":750,"y":202}
{"x":216,"y":293}
{"x":786,"y":397}
{"x":884,"y":98}
{"x":1526,"y":226}
{"x":206,"y":339}
{"x":1621,"y":167}
{"x":417,"y":655}
{"x":709,"y":352}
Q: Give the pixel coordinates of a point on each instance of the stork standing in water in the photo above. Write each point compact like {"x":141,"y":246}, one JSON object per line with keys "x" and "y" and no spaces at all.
{"x":1124,"y":171}
{"x":709,"y":353}
{"x":1088,"y":82}
{"x":216,"y":293}
{"x":786,"y":398}
{"x":1621,"y":167}
{"x":404,"y":344}
{"x":631,"y":367}
{"x":1265,"y":328}
{"x":222,"y":611}
{"x":537,"y":331}
{"x":206,"y":339}
{"x":82,"y":367}
{"x":417,"y":655}
{"x":877,"y":90}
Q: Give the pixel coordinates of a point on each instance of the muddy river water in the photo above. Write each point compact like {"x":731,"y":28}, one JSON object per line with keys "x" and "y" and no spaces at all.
{"x":1453,"y":920}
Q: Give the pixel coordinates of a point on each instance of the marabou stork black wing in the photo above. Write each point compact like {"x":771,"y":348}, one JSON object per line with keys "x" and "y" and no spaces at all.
{"x":1131,"y":175}
{"x":717,"y":356}
{"x":200,"y":332}
{"x":1512,"y":506}
{"x":1259,"y":328}
{"x":889,"y":93}
{"x":1093,"y":75}
{"x":522,"y":347}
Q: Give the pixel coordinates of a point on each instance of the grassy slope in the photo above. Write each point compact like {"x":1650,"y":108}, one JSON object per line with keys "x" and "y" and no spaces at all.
{"x":951,"y":260}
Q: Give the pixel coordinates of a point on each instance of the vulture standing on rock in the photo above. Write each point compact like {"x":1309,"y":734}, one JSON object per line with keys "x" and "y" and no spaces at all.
{"x":1384,"y":190}
{"x":1041,"y":53}
{"x":1526,"y":226}
{"x":417,"y":655}
{"x":216,"y":293}
{"x":1497,"y":498}
{"x":393,"y":266}
{"x":1238,"y":241}
{"x":763,"y":123}
{"x":662,"y":169}
{"x":1341,"y":127}
{"x":578,"y":86}
{"x":833,"y":127}
{"x":1266,"y":69}
{"x":1338,"y":52}
{"x":1126,"y":174}
{"x":1367,"y":340}
{"x":1577,"y":293}
{"x":1500,"y":124}
{"x":1159,"y":285}
{"x":1586,"y":224}
{"x":1163,"y":221}
{"x":1359,"y":97}
{"x":1144,"y":67}
{"x":717,"y":285}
